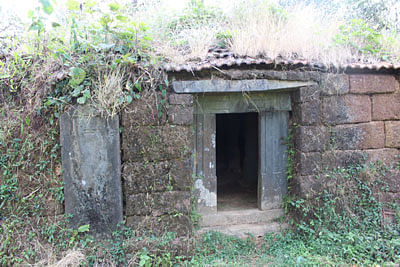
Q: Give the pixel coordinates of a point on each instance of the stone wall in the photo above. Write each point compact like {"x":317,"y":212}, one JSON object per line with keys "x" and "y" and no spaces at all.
{"x":156,"y":170}
{"x":342,"y":121}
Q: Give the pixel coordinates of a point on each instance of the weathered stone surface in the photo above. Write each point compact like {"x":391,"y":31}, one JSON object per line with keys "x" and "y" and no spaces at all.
{"x":311,"y":138}
{"x":386,"y":107}
{"x":392,"y":129}
{"x":150,"y":177}
{"x":181,"y":224}
{"x":390,"y":198}
{"x":342,"y":158}
{"x":157,"y":204}
{"x":150,"y":143}
{"x":334,"y":84}
{"x":392,"y":179}
{"x":359,"y":136}
{"x":309,"y":186}
{"x":240,"y":103}
{"x":181,"y":173}
{"x":388,"y":156}
{"x":90,"y":152}
{"x":142,"y":111}
{"x":307,"y":93}
{"x":308,"y":163}
{"x":180,"y":99}
{"x":143,"y":177}
{"x":180,"y":115}
{"x":369,"y":84}
{"x":273,"y":159}
{"x":220,"y":85}
{"x":346,"y":109}
{"x":307,"y":113}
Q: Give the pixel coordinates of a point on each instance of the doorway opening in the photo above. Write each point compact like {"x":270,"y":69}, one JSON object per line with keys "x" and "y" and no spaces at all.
{"x":237,"y":161}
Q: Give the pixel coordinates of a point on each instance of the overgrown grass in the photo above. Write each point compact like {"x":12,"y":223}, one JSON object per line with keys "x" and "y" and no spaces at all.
{"x":323,"y":33}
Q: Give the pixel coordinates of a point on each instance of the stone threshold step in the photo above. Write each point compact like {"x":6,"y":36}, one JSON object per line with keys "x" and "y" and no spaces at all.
{"x":236,"y":217}
{"x":245,"y":230}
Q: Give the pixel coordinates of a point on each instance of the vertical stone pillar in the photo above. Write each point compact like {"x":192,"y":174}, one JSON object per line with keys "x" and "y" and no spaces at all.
{"x":205,"y":167}
{"x":90,"y":153}
{"x":273,"y":127}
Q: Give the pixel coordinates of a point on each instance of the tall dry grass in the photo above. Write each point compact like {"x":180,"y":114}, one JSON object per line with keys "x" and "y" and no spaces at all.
{"x":258,"y":28}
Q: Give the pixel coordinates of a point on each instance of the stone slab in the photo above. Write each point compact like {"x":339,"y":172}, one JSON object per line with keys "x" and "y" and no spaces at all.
{"x":387,"y":156}
{"x":272,"y":181}
{"x":334,"y":84}
{"x":342,"y":159}
{"x":156,"y":143}
{"x":219,"y":85}
{"x":238,"y":103}
{"x":359,"y":136}
{"x":173,"y":203}
{"x":386,"y":107}
{"x":392,"y":129}
{"x":182,"y":225}
{"x":307,"y":113}
{"x":306,"y":94}
{"x":346,"y":109}
{"x":240,"y":217}
{"x":311,"y":138}
{"x":180,"y":115}
{"x":90,"y":153}
{"x":308,"y":163}
{"x":372,"y":84}
{"x":150,"y":177}
{"x":246,"y":230}
{"x":180,"y":99}
{"x":142,"y":111}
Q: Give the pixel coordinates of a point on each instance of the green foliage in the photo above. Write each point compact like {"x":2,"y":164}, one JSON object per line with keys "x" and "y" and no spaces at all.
{"x":363,"y":39}
{"x":196,"y":15}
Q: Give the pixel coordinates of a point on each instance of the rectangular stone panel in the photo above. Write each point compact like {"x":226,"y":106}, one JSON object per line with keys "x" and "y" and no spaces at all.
{"x":180,"y":115}
{"x":307,"y":113}
{"x":334,"y":84}
{"x":239,"y":103}
{"x":225,"y":86}
{"x":346,"y":109}
{"x":156,"y":143}
{"x":272,"y":181}
{"x":159,"y":203}
{"x":205,"y":185}
{"x":143,"y":111}
{"x":306,"y":94}
{"x":372,"y":84}
{"x":311,"y":138}
{"x":387,"y":156}
{"x":392,"y":129}
{"x":90,"y":153}
{"x":386,"y":107}
{"x":359,"y":136}
{"x":150,"y":177}
{"x":308,"y":163}
{"x":181,"y":224}
{"x":342,"y":159}
{"x":180,"y":99}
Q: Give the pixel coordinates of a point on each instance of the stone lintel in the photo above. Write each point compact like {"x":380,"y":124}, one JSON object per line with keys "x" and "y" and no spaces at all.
{"x":230,"y":86}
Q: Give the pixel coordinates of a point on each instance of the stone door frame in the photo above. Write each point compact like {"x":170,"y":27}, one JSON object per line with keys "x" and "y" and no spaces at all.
{"x":271,"y":100}
{"x":273,"y":114}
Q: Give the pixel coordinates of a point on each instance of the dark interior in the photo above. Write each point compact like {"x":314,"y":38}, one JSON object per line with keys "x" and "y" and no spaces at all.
{"x":237,"y":161}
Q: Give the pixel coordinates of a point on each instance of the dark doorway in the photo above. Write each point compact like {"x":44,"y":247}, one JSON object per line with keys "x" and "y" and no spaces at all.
{"x":237,"y":161}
